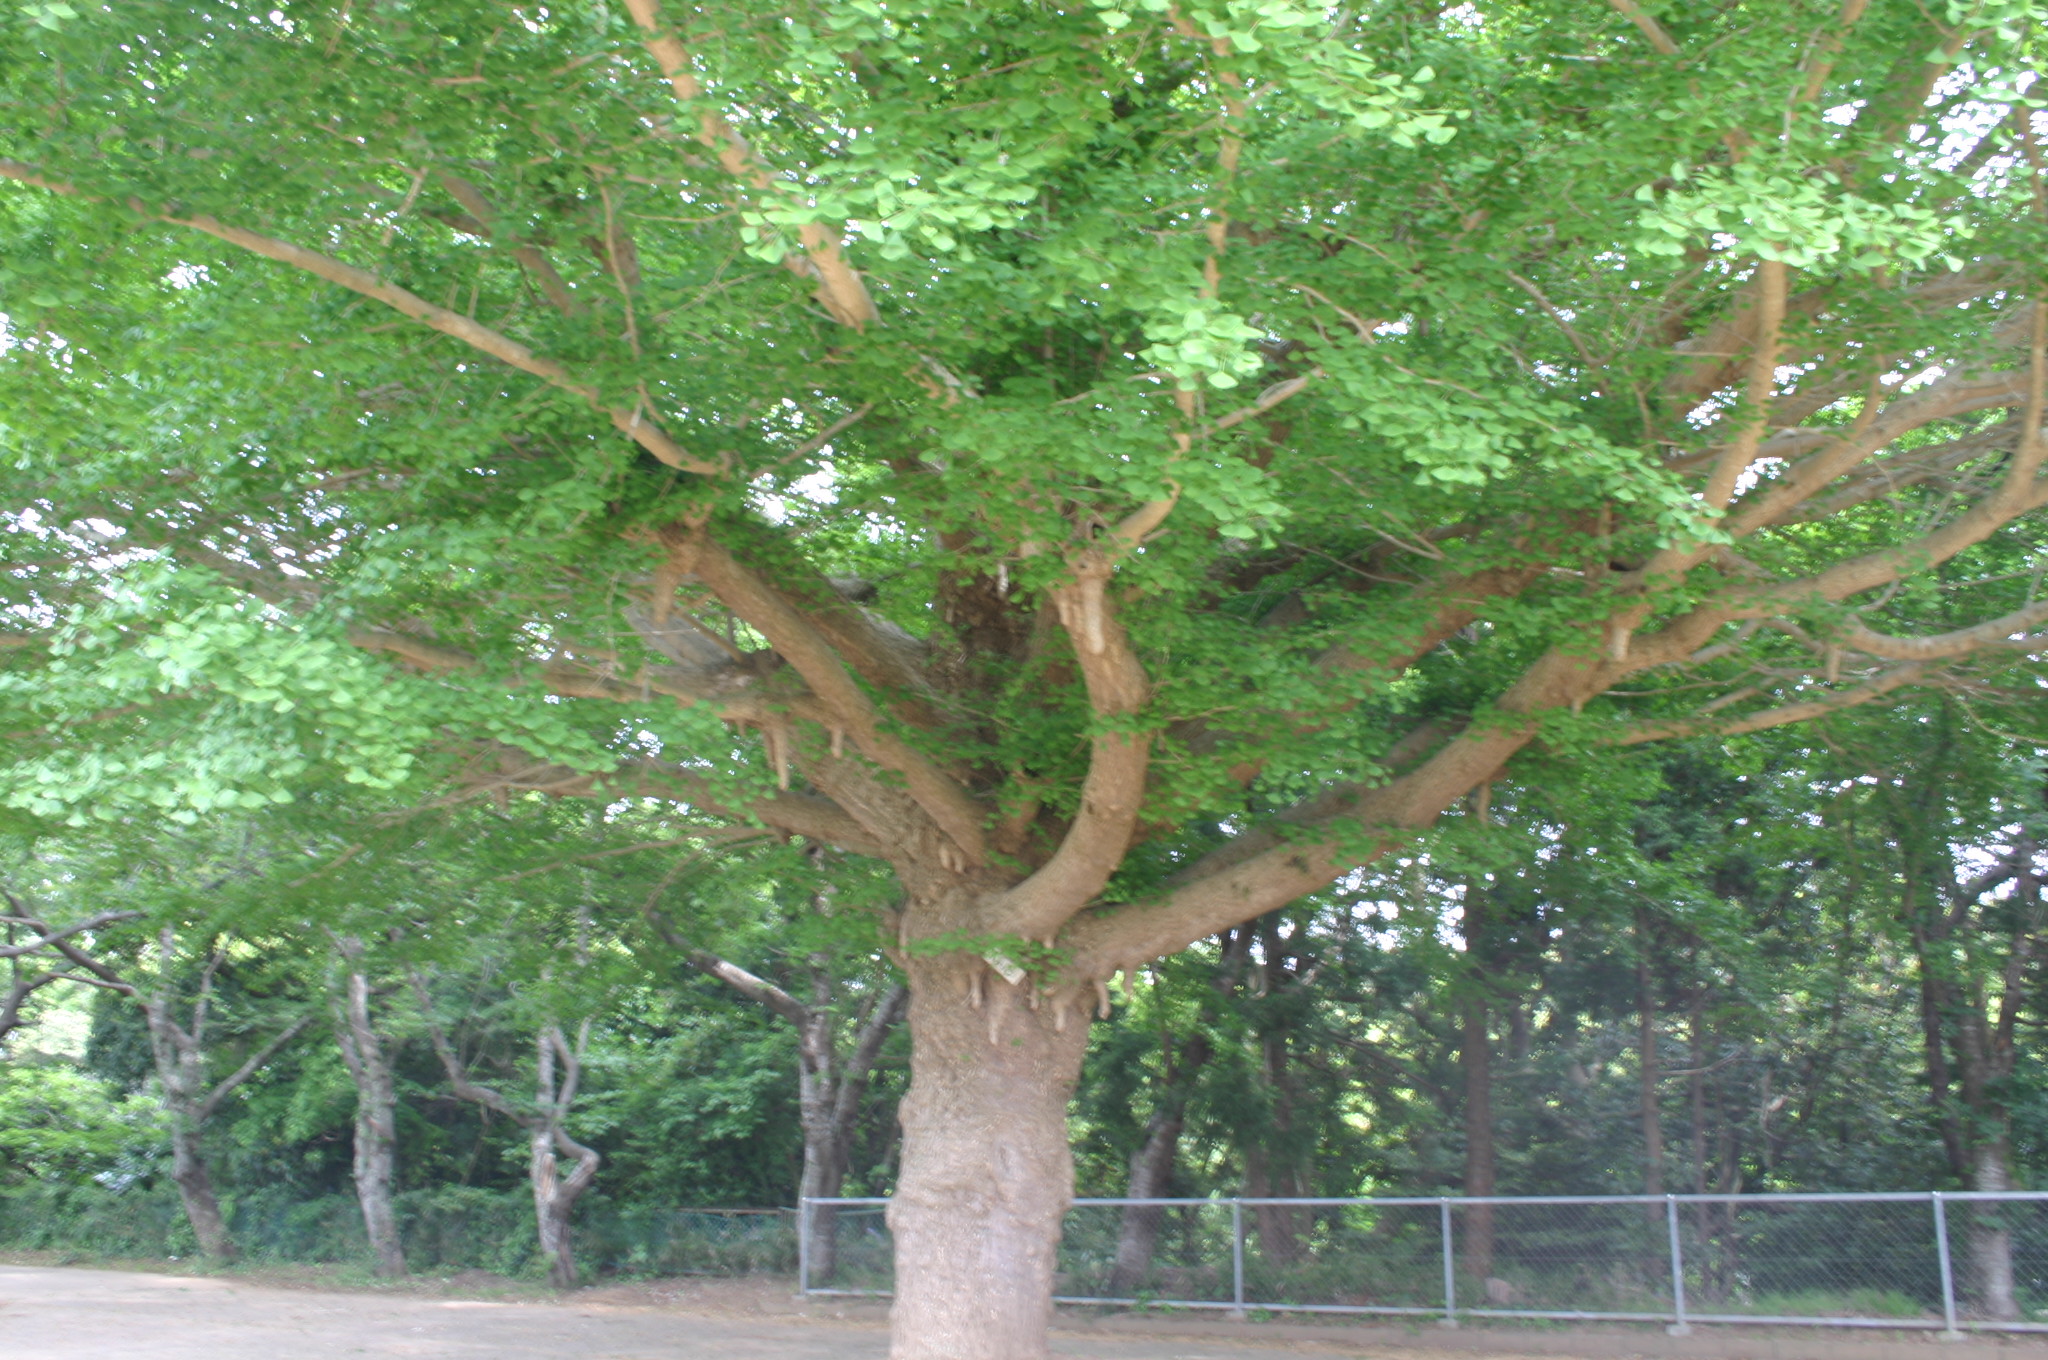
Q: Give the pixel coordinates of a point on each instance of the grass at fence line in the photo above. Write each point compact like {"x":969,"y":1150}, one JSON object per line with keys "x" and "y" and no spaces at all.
{"x":1829,"y":1303}
{"x":446,"y":1230}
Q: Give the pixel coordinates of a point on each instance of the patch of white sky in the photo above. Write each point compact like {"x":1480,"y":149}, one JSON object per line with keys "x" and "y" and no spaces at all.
{"x":1965,"y":126}
{"x":96,"y":542}
{"x":820,"y":487}
{"x":51,"y":347}
{"x":1975,"y":859}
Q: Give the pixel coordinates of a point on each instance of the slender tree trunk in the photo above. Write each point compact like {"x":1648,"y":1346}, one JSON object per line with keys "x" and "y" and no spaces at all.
{"x":181,"y":1071}
{"x":824,"y":1171}
{"x":1990,"y":1147}
{"x":1272,"y":1165}
{"x":1696,"y":1093}
{"x":1270,"y":1170}
{"x":554,"y":1204}
{"x":1477,"y":1054}
{"x":558,"y":1071}
{"x":195,"y":1191}
{"x":376,"y":1122}
{"x":1940,"y":1083}
{"x":555,"y":1195}
{"x":1138,"y":1232}
{"x":1152,"y":1168}
{"x":829,"y":1090}
{"x":1991,"y":1235}
{"x":987,"y":1171}
{"x":1652,"y":1073}
{"x":829,"y":1094}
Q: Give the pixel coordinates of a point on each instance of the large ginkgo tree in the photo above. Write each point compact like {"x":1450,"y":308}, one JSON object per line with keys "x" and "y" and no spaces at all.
{"x":1124,"y":463}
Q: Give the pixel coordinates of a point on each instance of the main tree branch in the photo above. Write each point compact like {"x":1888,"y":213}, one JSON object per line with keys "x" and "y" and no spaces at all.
{"x":1783,"y":715}
{"x":798,"y":641}
{"x":1119,"y":757}
{"x":640,"y":427}
{"x":839,"y":287}
{"x":1359,"y":830}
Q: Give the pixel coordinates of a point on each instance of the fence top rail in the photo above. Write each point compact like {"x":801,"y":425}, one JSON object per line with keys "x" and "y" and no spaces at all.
{"x":1416,"y":1201}
{"x":1994,"y":1194}
{"x":1097,"y":1203}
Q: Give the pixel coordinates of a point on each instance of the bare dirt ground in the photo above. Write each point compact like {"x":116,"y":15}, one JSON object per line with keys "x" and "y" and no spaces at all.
{"x":66,"y":1313}
{"x":52,"y":1312}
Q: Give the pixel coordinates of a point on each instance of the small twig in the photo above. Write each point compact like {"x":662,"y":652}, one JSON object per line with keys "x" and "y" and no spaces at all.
{"x":391,"y":227}
{"x":1266,"y":401}
{"x":1550,"y":309}
{"x":824,"y":436}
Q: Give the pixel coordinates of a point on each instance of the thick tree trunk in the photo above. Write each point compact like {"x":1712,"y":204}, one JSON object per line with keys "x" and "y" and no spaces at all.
{"x":195,"y":1191}
{"x":1479,"y":1147}
{"x":376,"y":1122}
{"x":987,"y":1172}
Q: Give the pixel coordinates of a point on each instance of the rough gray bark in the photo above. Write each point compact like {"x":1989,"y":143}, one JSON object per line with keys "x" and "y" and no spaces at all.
{"x":195,"y":1190}
{"x":987,"y":1171}
{"x":1272,"y":1164}
{"x":376,"y":1129}
{"x":829,"y":1093}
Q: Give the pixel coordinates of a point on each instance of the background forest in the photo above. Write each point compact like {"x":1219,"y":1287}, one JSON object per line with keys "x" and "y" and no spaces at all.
{"x":1766,"y":964}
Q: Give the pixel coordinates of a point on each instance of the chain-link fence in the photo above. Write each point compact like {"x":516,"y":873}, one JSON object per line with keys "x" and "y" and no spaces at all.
{"x":446,"y":1229}
{"x":1943,"y":1262}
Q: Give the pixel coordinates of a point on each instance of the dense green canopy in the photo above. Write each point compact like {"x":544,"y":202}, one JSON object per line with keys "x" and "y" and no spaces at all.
{"x":1126,"y":466}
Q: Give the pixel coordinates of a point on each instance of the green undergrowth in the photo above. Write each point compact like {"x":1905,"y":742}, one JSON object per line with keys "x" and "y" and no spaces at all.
{"x":448,"y":1231}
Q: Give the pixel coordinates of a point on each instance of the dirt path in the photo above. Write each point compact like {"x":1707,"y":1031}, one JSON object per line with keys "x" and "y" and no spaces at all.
{"x":59,"y":1313}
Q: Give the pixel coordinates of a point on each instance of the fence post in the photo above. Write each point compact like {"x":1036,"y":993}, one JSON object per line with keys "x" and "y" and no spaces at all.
{"x":803,"y":1246}
{"x":1679,"y":1326}
{"x":1237,"y":1259}
{"x":1949,"y":1330}
{"x":1443,"y":1210}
